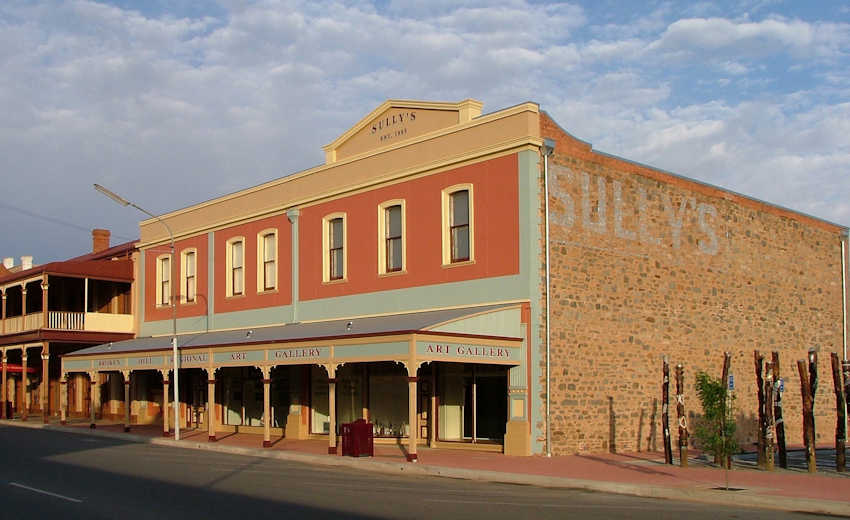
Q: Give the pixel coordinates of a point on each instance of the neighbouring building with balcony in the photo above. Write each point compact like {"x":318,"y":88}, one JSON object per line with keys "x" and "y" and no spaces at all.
{"x":55,"y":308}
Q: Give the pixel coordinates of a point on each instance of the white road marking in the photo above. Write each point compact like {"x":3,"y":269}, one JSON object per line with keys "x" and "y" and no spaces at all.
{"x":43,"y":492}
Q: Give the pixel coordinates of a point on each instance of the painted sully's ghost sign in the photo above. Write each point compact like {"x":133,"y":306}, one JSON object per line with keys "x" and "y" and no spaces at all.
{"x":632,"y":218}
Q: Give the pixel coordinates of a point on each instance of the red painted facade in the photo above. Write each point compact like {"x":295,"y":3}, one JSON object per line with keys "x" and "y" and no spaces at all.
{"x":496,"y":232}
{"x":496,"y":235}
{"x":184,"y":310}
{"x":251,"y":299}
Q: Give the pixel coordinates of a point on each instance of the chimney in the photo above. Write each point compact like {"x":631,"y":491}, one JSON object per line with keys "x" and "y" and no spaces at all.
{"x":8,"y":262}
{"x":26,"y":263}
{"x":99,"y":240}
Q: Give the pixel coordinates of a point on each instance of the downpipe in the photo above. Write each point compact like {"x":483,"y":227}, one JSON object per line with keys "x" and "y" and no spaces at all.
{"x":548,"y":150}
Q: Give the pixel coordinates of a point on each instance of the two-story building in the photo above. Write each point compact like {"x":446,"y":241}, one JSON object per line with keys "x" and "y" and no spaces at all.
{"x":422,"y":279}
{"x":52,"y":309}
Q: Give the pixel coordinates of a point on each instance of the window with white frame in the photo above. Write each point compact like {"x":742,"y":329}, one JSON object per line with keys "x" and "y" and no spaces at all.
{"x":334,"y":242}
{"x":163,"y":280}
{"x":458,"y":225}
{"x":391,"y":236}
{"x":267,"y":260}
{"x":188,"y":280}
{"x":235,"y":265}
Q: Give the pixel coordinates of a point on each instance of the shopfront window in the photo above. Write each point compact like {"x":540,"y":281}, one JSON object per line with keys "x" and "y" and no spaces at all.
{"x":243,"y":396}
{"x":388,"y":404}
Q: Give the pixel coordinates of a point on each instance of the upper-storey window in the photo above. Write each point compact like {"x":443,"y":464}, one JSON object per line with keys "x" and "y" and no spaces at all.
{"x":333,"y":238}
{"x":235,"y":266}
{"x":267,"y":260}
{"x":189,"y":261}
{"x":458,"y":243}
{"x":391,"y":241}
{"x":163,"y":280}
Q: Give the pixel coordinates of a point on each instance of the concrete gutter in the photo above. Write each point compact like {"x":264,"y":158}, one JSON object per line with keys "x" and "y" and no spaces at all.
{"x":746,"y":498}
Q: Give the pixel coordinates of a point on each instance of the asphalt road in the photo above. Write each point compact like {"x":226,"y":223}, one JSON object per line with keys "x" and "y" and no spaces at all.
{"x":46,"y":474}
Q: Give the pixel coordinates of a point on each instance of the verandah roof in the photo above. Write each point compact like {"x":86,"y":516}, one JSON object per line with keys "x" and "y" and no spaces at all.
{"x":408,"y":323}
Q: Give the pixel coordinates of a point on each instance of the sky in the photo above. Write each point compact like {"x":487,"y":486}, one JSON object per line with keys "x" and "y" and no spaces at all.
{"x":173,"y":102}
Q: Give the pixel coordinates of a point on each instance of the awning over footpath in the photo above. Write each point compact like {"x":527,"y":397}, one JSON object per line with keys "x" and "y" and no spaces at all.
{"x":484,"y":334}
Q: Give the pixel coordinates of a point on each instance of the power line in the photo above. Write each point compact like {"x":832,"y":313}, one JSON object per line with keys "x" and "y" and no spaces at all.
{"x":54,"y":220}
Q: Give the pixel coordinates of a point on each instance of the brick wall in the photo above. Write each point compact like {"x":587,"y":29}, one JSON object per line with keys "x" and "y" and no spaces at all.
{"x":646,"y":264}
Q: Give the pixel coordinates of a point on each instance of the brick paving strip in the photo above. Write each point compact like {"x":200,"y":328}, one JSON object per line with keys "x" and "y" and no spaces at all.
{"x":639,"y":475}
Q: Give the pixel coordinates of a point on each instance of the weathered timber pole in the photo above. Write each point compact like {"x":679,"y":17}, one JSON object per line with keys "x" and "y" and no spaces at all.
{"x":841,"y":415}
{"x":665,"y":411}
{"x":777,"y":413}
{"x":724,"y":379}
{"x":680,"y":414}
{"x":808,"y":427}
{"x":759,"y":363}
{"x":813,"y":385}
{"x":768,"y":417}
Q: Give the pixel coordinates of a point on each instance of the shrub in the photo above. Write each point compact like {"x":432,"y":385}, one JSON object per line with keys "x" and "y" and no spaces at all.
{"x":715,"y":430}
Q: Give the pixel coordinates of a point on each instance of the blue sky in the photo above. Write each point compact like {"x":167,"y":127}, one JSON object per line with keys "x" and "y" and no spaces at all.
{"x":170,"y":103}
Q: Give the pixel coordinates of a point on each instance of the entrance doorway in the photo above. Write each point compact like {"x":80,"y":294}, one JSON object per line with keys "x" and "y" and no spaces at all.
{"x":473,"y":402}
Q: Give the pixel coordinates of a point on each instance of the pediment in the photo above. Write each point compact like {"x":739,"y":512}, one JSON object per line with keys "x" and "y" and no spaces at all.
{"x":397,"y":121}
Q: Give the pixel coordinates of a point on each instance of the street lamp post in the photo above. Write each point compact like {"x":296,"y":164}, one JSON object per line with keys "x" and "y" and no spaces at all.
{"x":124,"y":202}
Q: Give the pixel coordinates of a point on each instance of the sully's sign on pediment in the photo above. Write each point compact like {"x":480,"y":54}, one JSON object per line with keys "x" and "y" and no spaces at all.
{"x":397,"y":121}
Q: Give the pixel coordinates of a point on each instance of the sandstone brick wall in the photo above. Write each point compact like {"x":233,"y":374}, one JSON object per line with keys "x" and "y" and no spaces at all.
{"x":645,"y":264}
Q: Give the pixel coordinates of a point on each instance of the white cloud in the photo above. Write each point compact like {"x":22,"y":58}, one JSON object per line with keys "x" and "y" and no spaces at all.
{"x":752,"y":39}
{"x":175,"y":110}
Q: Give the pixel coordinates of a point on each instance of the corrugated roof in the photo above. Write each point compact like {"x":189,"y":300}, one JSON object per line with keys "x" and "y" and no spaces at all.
{"x":321,"y":330}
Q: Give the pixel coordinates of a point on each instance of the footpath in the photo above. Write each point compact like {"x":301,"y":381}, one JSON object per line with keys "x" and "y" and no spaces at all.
{"x":639,"y":474}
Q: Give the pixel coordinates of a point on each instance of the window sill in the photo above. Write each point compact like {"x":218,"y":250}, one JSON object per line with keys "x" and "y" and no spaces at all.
{"x":459,"y":264}
{"x":234,"y":296}
{"x":334,"y":282}
{"x":189,"y":304}
{"x":392,"y":273}
{"x":267,"y":291}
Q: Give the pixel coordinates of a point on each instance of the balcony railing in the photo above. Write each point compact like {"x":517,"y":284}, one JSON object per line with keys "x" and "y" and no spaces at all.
{"x":71,"y":321}
{"x":66,"y":320}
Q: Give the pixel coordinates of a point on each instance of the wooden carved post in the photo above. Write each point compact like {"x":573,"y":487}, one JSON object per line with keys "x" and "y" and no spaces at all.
{"x":665,"y":413}
{"x":759,"y":362}
{"x":724,"y":378}
{"x":777,"y":412}
{"x":680,"y":414}
{"x":813,"y":384}
{"x":808,"y":427}
{"x":768,"y":417}
{"x":841,"y":415}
